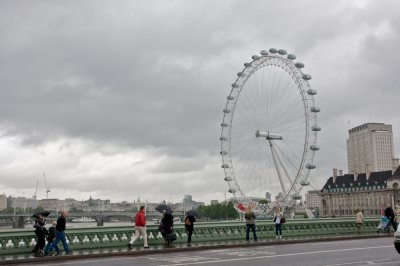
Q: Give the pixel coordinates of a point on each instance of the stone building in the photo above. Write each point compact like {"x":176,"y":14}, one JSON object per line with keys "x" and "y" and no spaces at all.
{"x":342,"y":195}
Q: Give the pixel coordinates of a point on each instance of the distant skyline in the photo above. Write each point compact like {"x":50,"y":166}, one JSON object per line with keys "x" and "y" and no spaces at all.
{"x":124,"y":100}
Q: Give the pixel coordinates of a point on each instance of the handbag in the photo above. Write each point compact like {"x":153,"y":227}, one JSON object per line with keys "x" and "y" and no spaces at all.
{"x":171,"y":237}
{"x":283,"y":220}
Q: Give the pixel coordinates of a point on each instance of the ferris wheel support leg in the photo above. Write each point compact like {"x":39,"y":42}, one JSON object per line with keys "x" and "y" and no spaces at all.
{"x":283,"y":167}
{"x":277,"y":168}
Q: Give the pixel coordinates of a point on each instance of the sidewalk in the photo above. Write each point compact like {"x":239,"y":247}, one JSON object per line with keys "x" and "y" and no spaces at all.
{"x":155,"y":249}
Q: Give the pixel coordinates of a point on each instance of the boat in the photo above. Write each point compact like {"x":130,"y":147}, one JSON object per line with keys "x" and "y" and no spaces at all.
{"x":83,"y":219}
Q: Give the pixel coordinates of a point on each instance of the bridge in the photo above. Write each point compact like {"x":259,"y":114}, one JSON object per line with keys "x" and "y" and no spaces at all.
{"x":22,"y":241}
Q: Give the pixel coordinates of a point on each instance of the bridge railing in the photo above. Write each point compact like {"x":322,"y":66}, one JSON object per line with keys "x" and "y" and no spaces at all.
{"x":23,"y":241}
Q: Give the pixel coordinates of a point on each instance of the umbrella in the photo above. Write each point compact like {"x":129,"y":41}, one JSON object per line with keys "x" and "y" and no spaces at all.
{"x":43,"y":213}
{"x":164,"y":208}
{"x":192,"y":213}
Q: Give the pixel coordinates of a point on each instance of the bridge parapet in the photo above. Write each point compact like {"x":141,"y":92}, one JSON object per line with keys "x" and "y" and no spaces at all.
{"x":13,"y":242}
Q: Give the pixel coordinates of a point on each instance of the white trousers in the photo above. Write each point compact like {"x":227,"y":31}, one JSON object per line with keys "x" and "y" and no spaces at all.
{"x":139,"y":231}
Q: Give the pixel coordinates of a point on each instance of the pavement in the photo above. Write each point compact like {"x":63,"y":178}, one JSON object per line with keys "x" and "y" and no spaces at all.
{"x":159,"y":249}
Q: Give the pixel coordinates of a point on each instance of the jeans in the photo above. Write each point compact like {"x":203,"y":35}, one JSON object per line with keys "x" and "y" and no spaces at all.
{"x":60,"y":236}
{"x":278,"y":229}
{"x":47,"y":248}
{"x":253,"y":228}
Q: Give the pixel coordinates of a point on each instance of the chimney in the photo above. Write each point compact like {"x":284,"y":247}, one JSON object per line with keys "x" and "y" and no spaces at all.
{"x":367,"y":171}
{"x":340,"y":172}
{"x":395,"y":164}
{"x":334,"y":175}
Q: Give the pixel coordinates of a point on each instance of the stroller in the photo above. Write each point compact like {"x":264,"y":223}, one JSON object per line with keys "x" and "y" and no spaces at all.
{"x":383,"y":226}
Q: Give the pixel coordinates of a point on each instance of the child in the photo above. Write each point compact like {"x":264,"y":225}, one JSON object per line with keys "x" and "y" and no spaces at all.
{"x":50,"y":238}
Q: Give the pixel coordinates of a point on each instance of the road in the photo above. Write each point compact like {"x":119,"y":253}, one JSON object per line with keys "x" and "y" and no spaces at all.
{"x":379,"y":251}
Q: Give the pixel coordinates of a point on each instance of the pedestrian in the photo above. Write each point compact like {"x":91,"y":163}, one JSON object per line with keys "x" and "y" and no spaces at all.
{"x":278,"y":215}
{"x":50,"y":239}
{"x":359,"y":221}
{"x":250,"y":218}
{"x":167,"y":224}
{"x":389,"y":213}
{"x":40,"y":232}
{"x":189,"y":225}
{"x":140,"y":228}
{"x":60,"y":234}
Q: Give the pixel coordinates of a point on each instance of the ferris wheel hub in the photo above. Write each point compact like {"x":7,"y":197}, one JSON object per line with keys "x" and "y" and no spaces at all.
{"x":268,"y":135}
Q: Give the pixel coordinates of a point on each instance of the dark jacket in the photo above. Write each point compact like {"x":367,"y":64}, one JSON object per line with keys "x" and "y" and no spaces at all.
{"x":389,"y":213}
{"x":61,"y":223}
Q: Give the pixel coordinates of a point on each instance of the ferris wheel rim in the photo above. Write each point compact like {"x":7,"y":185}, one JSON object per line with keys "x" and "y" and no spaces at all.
{"x":308,"y":101}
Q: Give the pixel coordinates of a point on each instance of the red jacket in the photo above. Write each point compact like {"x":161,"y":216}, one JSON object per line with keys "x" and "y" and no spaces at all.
{"x":140,"y":219}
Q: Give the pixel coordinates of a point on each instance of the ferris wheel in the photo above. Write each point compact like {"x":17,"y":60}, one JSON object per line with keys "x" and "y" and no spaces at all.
{"x":269,"y":131}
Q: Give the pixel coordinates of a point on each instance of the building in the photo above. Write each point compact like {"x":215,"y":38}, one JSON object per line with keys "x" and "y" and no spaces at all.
{"x":214,"y":202}
{"x":3,"y":202}
{"x":342,"y":195}
{"x":370,"y":148}
{"x":24,"y":203}
{"x":55,"y":205}
{"x":268,"y":196}
{"x":313,"y":199}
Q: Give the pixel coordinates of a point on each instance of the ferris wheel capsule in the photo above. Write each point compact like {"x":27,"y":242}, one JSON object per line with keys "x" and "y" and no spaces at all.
{"x":227,"y":179}
{"x":314,"y":147}
{"x":230,"y":98}
{"x":231,"y":190}
{"x":306,"y":77}
{"x":246,"y":64}
{"x":255,"y":57}
{"x":304,"y":182}
{"x":311,"y":166}
{"x":282,"y":52}
{"x":226,"y":111}
{"x":315,"y":109}
{"x":315,"y":128}
{"x":299,"y":65}
{"x":273,"y":50}
{"x":291,"y":57}
{"x":223,"y":152}
{"x":264,"y":52}
{"x":311,"y":91}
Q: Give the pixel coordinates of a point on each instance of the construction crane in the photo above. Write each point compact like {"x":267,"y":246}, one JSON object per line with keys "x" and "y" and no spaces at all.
{"x":37,"y":183}
{"x":47,"y":187}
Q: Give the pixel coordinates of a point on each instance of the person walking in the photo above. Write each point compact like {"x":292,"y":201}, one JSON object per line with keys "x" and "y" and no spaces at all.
{"x":278,"y":215}
{"x":359,"y":221}
{"x":250,"y":218}
{"x":189,"y":225}
{"x":60,"y":234}
{"x":50,"y":238}
{"x":389,"y":213}
{"x":40,"y":232}
{"x":140,"y":228}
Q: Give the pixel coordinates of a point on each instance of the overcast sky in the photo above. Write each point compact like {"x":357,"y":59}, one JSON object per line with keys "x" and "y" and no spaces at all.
{"x":123,"y":99}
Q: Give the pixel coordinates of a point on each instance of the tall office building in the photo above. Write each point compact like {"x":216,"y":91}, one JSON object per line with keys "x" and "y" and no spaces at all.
{"x":370,"y":148}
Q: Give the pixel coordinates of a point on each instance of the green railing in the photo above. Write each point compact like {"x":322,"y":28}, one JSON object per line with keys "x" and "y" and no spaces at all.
{"x":22,"y":241}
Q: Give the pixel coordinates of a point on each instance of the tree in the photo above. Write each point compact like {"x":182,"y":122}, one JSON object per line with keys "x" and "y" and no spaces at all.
{"x":218,"y":211}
